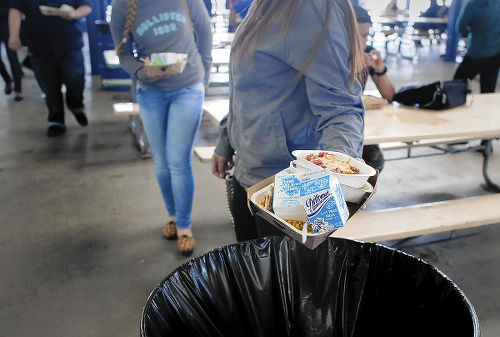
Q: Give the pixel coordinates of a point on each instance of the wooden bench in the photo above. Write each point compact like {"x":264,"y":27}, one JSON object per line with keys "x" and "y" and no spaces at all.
{"x":410,"y":221}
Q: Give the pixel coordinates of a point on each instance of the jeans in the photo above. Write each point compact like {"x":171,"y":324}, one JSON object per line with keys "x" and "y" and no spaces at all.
{"x":171,"y":119}
{"x":54,"y":70}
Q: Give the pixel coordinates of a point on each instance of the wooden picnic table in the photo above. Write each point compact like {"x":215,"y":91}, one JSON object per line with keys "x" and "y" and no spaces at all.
{"x":394,"y":123}
{"x":478,"y":119}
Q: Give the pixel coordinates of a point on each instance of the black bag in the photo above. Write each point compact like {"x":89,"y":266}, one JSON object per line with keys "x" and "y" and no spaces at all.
{"x":439,"y":95}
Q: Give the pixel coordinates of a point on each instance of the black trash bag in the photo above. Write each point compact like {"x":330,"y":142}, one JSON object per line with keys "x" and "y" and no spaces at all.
{"x":438,"y":95}
{"x":278,"y":287}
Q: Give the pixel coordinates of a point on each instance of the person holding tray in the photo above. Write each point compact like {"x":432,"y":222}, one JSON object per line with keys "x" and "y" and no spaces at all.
{"x":170,"y":96}
{"x":292,"y":86}
{"x":55,"y":42}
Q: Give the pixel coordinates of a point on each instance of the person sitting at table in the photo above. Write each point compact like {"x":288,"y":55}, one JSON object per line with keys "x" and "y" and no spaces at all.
{"x":392,"y":9}
{"x":433,"y":11}
{"x":376,"y":68}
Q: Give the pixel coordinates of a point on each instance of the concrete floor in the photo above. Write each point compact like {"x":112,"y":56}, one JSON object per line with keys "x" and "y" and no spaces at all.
{"x":81,"y":216}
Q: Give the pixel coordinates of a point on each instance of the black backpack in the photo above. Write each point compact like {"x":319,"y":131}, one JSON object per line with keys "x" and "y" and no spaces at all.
{"x":439,"y":95}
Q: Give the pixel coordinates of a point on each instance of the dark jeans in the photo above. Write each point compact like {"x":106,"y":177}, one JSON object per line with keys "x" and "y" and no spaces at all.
{"x":487,"y":68}
{"x":13,"y":60}
{"x":246,"y":226}
{"x":53,"y":71}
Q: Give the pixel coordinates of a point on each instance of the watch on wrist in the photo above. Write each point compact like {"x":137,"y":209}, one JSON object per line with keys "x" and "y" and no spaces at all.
{"x":382,"y":72}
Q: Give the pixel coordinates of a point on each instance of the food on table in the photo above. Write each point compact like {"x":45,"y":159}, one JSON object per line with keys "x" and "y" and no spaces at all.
{"x":332,"y":162}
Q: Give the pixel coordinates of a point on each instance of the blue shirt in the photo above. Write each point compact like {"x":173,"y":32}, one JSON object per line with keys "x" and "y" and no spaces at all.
{"x":271,"y":114}
{"x":165,"y":26}
{"x":48,"y":34}
{"x":484,"y":19}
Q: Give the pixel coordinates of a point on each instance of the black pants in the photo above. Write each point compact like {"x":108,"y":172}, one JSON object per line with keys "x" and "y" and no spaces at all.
{"x":53,"y":71}
{"x":373,"y":156}
{"x":487,"y":68}
{"x":246,"y":226}
{"x":15,"y":66}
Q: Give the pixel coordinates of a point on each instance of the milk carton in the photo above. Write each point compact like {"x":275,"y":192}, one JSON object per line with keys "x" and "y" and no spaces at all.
{"x":286,"y":195}
{"x":322,"y":199}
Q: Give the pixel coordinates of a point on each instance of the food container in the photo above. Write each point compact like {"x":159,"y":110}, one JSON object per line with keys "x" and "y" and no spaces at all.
{"x":355,"y":195}
{"x":257,"y":193}
{"x":352,"y":180}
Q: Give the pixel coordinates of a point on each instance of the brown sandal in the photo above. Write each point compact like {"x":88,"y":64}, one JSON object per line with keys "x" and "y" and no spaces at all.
{"x":186,"y":245}
{"x":170,"y":231}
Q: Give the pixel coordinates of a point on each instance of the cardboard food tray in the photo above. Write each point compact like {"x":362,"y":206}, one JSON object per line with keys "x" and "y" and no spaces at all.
{"x":257,"y":192}
{"x":169,"y":70}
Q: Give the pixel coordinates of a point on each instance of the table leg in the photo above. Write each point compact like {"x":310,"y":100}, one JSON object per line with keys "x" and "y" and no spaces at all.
{"x":487,"y":149}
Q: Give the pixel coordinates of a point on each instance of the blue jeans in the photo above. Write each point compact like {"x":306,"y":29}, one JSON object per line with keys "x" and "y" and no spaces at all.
{"x":171,"y":119}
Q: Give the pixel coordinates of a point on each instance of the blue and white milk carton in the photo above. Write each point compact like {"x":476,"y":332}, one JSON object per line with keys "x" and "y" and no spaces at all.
{"x":323,"y":201}
{"x":286,"y":195}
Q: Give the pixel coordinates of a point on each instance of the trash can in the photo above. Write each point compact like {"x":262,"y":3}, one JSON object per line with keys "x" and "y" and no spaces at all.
{"x":278,"y":287}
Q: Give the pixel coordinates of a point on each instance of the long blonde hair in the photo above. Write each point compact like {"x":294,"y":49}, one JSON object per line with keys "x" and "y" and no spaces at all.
{"x":264,"y":16}
{"x":129,"y":24}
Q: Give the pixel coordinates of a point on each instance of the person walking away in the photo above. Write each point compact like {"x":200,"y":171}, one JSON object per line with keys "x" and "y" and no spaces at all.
{"x":377,"y":70}
{"x":170,"y":104}
{"x":290,"y":88}
{"x":15,"y":66}
{"x":56,"y":45}
{"x":480,"y":20}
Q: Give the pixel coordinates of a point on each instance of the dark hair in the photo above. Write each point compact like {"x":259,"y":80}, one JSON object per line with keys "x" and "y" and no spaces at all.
{"x":361,"y":14}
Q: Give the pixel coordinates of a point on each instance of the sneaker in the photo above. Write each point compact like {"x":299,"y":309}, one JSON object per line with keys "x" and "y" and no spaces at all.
{"x":19,"y":97}
{"x":55,"y":130}
{"x":170,"y":231}
{"x":81,"y":118}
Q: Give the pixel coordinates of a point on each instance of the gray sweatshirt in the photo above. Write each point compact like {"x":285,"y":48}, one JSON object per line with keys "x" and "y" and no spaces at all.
{"x":271,"y":115}
{"x":163,"y":26}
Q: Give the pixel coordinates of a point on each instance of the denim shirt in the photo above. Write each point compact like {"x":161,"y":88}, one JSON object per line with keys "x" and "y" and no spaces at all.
{"x":271,"y":113}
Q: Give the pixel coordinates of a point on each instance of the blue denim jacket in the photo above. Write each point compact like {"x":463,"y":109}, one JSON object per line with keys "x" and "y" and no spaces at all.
{"x":271,"y":113}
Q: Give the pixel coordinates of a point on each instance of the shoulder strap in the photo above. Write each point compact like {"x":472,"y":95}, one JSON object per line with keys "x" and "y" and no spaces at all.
{"x":188,"y":13}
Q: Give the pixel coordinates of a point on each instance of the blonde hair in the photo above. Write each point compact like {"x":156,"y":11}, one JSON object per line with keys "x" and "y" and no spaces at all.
{"x":129,"y":24}
{"x":265,"y":14}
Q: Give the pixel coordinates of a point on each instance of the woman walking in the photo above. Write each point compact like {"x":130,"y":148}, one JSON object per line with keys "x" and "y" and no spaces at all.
{"x":170,"y":104}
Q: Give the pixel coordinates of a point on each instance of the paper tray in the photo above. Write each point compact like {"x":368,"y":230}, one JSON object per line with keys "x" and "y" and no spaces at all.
{"x":257,"y":193}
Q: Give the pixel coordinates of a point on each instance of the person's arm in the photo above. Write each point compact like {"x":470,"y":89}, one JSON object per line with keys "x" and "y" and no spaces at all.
{"x":15,"y":17}
{"x":78,"y":13}
{"x":379,"y":75}
{"x":203,"y":30}
{"x":464,"y":19}
{"x":127,"y":59}
{"x":222,"y":160}
{"x":333,"y":99}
